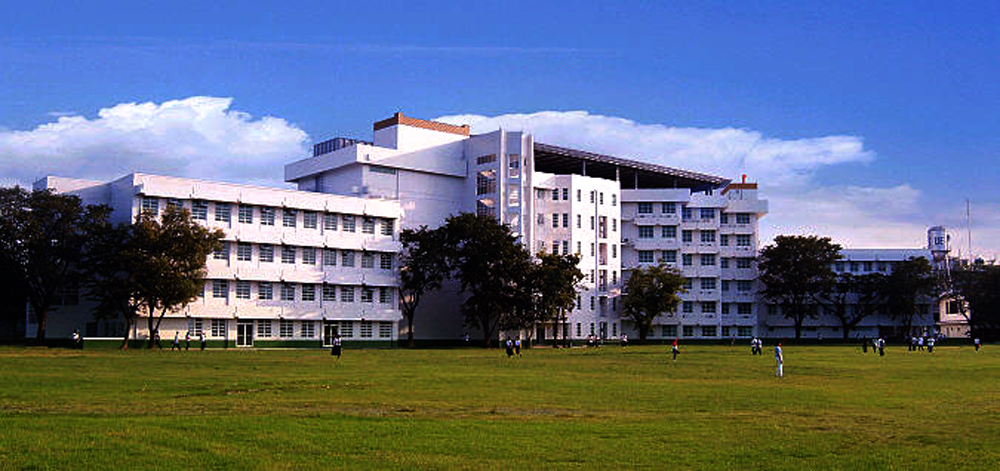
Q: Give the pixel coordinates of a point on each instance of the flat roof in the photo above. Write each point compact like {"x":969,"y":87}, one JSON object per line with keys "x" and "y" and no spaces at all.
{"x":631,"y":173}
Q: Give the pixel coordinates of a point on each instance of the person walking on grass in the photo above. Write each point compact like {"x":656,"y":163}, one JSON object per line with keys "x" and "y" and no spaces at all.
{"x":881,"y":346}
{"x":977,"y":344}
{"x":201,"y":337}
{"x":509,"y":345}
{"x":864,"y":344}
{"x":177,"y":342}
{"x":674,"y":350}
{"x":930,"y":344}
{"x":335,"y":351}
{"x":517,"y":347}
{"x":779,"y":357}
{"x":187,"y":341}
{"x":920,"y":343}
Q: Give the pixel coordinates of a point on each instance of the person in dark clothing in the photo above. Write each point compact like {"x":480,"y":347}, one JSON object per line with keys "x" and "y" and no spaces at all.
{"x":187,"y":341}
{"x":510,"y":348}
{"x":336,"y":350}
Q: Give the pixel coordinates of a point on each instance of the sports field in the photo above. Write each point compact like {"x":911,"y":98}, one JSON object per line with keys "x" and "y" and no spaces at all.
{"x":716,"y":407}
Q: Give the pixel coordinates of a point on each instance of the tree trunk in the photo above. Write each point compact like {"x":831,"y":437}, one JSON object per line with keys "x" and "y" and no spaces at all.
{"x":152,"y":331}
{"x":798,"y":327}
{"x":643,"y":330}
{"x":128,"y":332}
{"x":40,"y":333}
{"x":409,"y":333}
{"x":555,"y":333}
{"x":847,"y":330}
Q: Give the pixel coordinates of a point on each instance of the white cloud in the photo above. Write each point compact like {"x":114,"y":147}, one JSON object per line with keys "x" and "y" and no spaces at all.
{"x":197,"y":137}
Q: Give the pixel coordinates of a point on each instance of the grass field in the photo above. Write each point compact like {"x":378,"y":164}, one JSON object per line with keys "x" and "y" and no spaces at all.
{"x":717,"y":407}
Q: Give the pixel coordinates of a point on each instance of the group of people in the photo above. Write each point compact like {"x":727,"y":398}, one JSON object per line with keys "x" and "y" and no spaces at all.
{"x":513,"y":347}
{"x":917,"y":343}
{"x":187,"y":341}
{"x":756,"y":346}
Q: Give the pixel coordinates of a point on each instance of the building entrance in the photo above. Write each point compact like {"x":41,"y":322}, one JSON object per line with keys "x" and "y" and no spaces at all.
{"x":244,"y":334}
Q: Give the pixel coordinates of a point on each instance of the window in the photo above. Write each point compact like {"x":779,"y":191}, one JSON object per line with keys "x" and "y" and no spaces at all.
{"x":223,"y":252}
{"x":743,"y":240}
{"x":199,"y":210}
{"x":218,"y":327}
{"x":366,"y":329}
{"x":708,"y":283}
{"x":385,"y":295}
{"x":514,"y":166}
{"x":744,"y":286}
{"x":579,"y":194}
{"x":593,"y":196}
{"x":744,"y":308}
{"x":592,"y":223}
{"x":329,"y":293}
{"x":855,"y":266}
{"x":689,"y":331}
{"x":744,"y":331}
{"x":579,"y":248}
{"x":688,"y":284}
{"x":614,"y":250}
{"x":287,"y":292}
{"x":347,"y":258}
{"x":347,"y":294}
{"x":708,"y":259}
{"x":708,"y":331}
{"x":579,"y":221}
{"x":288,"y":217}
{"x":308,"y":292}
{"x":222,"y":212}
{"x":244,"y":252}
{"x":266,"y":253}
{"x":176,"y":204}
{"x":242,"y":289}
{"x":687,"y":236}
{"x":687,"y":307}
{"x":645,"y":207}
{"x":555,"y":220}
{"x":310,"y":220}
{"x":555,"y":194}
{"x":670,"y":256}
{"x":725,"y":311}
{"x":565,"y":245}
{"x":687,"y":260}
{"x":245,"y":214}
{"x":708,"y":307}
{"x":669,"y":232}
{"x":686,"y":213}
{"x":308,"y":329}
{"x":266,"y":216}
{"x":708,"y":237}
{"x":287,"y":254}
{"x":151,"y":205}
{"x":286,"y":329}
{"x":486,"y":159}
{"x":602,"y":198}
{"x":645,"y":232}
{"x":744,"y":262}
{"x":591,"y":300}
{"x":724,"y":240}
{"x":669,"y":330}
{"x":725,"y":285}
{"x":555,"y":247}
{"x":565,"y":193}
{"x":645,"y":256}
{"x":868,"y":266}
{"x":367,"y":260}
{"x":614,"y":224}
{"x":329,"y":257}
{"x":565,"y":220}
{"x":195,"y":326}
{"x":614,"y":200}
{"x":265,"y":291}
{"x":591,"y":249}
{"x":309,"y":255}
{"x":330,"y":221}
{"x":264,"y":329}
{"x":384,"y":330}
{"x":220,"y":289}
{"x":707,"y":213}
{"x":724,"y":218}
{"x":724,"y":262}
{"x":669,"y":208}
{"x":346,"y":329}
{"x":742,"y":218}
{"x":486,"y":183}
{"x":385,"y":261}
{"x":387,"y":227}
{"x":367,"y":225}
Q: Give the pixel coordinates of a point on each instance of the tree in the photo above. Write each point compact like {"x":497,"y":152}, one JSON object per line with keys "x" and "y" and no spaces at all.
{"x":111,"y":261}
{"x":41,"y":233}
{"x":795,"y":272}
{"x":866,"y":292}
{"x":488,"y":262}
{"x":423,"y":265}
{"x":169,"y":262}
{"x":910,"y":282}
{"x":651,"y":292}
{"x":979,"y":286}
{"x":555,"y":279}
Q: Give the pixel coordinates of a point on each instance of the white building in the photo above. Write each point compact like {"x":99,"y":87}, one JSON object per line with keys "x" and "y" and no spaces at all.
{"x":936,"y":315}
{"x":560,"y":200}
{"x":296,"y":267}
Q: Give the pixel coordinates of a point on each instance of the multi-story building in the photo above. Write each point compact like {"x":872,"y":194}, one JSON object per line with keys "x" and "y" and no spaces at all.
{"x":562,"y":200}
{"x":937,"y":315}
{"x":295,"y":267}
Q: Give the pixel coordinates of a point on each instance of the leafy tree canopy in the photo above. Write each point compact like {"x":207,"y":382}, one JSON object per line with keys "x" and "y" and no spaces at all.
{"x":651,"y":292}
{"x":795,"y":271}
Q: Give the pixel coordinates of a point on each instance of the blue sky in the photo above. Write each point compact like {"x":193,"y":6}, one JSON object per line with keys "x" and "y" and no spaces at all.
{"x":915,"y":84}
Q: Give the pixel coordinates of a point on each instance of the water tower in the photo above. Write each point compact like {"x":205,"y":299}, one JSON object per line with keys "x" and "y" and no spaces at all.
{"x":938,"y":242}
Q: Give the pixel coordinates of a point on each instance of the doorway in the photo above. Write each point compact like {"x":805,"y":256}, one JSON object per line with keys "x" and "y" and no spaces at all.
{"x":244,"y":334}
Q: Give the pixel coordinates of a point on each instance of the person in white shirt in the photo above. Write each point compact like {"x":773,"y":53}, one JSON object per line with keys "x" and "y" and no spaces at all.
{"x":930,"y":345}
{"x":779,"y":357}
{"x":977,"y":344}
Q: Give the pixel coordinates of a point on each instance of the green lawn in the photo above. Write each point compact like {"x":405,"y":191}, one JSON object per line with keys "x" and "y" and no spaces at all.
{"x":717,"y":407}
